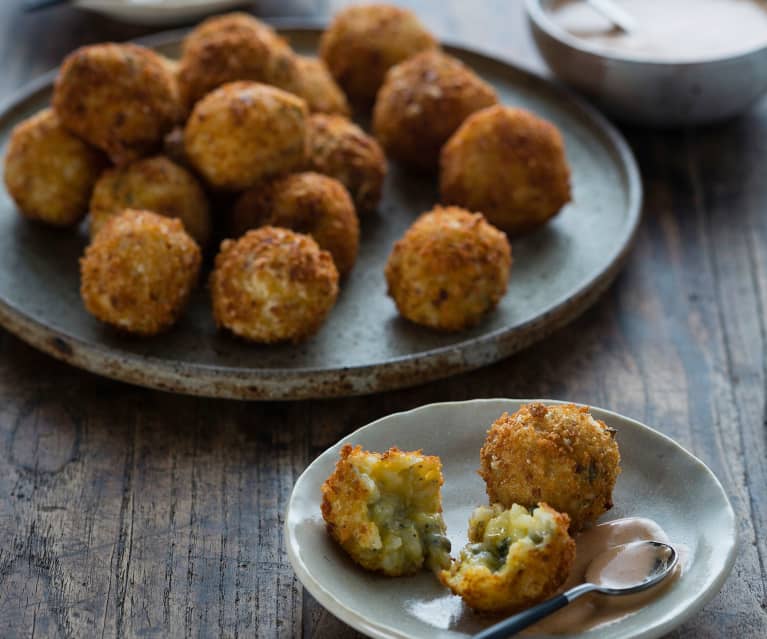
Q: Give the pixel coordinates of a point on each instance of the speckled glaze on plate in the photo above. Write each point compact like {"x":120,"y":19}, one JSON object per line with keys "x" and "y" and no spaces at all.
{"x":365,"y":346}
{"x":660,"y":480}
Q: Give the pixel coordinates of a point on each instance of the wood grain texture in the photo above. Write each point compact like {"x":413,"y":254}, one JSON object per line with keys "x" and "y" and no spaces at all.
{"x":132,"y":513}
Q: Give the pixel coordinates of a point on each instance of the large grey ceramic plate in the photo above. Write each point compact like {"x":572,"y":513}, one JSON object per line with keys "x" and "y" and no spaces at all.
{"x":660,"y":480}
{"x":364,"y":346}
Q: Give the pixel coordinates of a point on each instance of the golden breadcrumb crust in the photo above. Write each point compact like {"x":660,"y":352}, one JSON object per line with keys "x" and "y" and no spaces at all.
{"x":315,"y":84}
{"x":510,"y":165}
{"x":339,"y":148}
{"x":422,"y":102}
{"x":49,"y":172}
{"x":138,"y":272}
{"x":244,"y":132}
{"x":449,"y":269}
{"x":273,"y":285}
{"x":153,"y":184}
{"x":307,"y":203}
{"x":558,"y":454}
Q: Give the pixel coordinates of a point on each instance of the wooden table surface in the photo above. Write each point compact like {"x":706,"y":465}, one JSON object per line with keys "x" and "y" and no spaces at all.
{"x":128,"y":512}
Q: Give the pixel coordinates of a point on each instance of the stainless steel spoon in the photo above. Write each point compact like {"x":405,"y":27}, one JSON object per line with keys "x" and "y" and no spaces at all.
{"x":664,"y":559}
{"x":615,"y":14}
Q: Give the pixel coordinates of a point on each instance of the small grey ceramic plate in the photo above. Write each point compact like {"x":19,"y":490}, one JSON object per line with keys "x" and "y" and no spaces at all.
{"x":364,"y":346}
{"x":660,"y":480}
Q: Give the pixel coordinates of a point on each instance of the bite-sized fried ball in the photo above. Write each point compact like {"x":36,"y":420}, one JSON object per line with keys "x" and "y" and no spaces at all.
{"x":339,"y":148}
{"x":363,"y":42}
{"x":138,"y":272}
{"x":245,"y":132}
{"x":510,"y":165}
{"x":316,"y":85}
{"x":422,"y":102}
{"x":558,"y":454}
{"x":385,"y":510}
{"x":121,"y":98}
{"x":273,"y":285}
{"x":308,"y":203}
{"x":49,"y":172}
{"x":449,"y":269}
{"x":232,"y":48}
{"x":514,"y":558}
{"x":153,"y":184}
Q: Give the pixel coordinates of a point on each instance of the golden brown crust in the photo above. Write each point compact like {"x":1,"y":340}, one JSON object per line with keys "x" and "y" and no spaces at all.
{"x":508,"y":164}
{"x":121,"y":98}
{"x":558,"y":454}
{"x":363,"y":42}
{"x":339,"y":148}
{"x":245,"y":132}
{"x":153,"y":184}
{"x":49,"y":172}
{"x":138,"y":272}
{"x":315,"y":84}
{"x":307,"y":203}
{"x":273,"y":285}
{"x":449,"y":269}
{"x":422,"y":102}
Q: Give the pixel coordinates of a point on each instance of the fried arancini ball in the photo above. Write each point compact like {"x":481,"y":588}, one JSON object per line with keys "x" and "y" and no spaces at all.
{"x":307,"y":203}
{"x":49,"y":172}
{"x":273,"y":285}
{"x":510,"y":165}
{"x":229,"y":49}
{"x":245,"y":132}
{"x":449,"y":269}
{"x":558,"y":454}
{"x":316,"y":85}
{"x":422,"y":102}
{"x":385,"y":510}
{"x":138,"y":272}
{"x":514,"y":558}
{"x":363,"y":42}
{"x":339,"y":148}
{"x":121,"y":98}
{"x":153,"y":184}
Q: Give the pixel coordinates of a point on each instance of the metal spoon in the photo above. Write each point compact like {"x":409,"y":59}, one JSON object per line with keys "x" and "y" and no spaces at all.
{"x":615,"y":14}
{"x":664,"y":561}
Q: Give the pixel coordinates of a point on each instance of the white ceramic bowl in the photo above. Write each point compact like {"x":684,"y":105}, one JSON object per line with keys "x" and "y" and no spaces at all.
{"x":159,"y":12}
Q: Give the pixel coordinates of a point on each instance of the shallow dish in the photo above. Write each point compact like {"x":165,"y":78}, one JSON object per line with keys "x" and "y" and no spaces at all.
{"x":660,"y":480}
{"x":159,"y":12}
{"x":364,"y":346}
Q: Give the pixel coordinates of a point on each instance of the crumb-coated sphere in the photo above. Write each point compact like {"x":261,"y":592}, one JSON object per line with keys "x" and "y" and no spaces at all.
{"x":363,"y":42}
{"x":138,"y":272}
{"x":422,"y":102}
{"x":273,"y":285}
{"x":121,"y":98}
{"x":152,"y":184}
{"x":508,"y":164}
{"x":339,"y":148}
{"x":229,"y":49}
{"x":316,"y":85}
{"x":49,"y":172}
{"x":558,"y":454}
{"x":245,"y":132}
{"x":449,"y":269}
{"x":308,"y":203}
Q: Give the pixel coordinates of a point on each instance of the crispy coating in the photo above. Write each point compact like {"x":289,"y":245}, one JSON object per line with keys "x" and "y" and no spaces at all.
{"x":449,"y":269}
{"x":245,"y":132}
{"x":138,"y":272}
{"x":514,"y":560}
{"x":558,"y":454}
{"x":339,"y":148}
{"x":363,"y":42}
{"x":385,"y":510}
{"x":316,"y":85}
{"x":422,"y":102}
{"x":49,"y":172}
{"x":307,"y":203}
{"x":510,"y":165}
{"x":153,"y":184}
{"x":273,"y":285}
{"x":121,"y":98}
{"x":231,"y":48}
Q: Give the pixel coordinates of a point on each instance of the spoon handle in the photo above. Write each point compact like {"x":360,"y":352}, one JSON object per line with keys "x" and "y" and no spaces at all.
{"x":520,"y":621}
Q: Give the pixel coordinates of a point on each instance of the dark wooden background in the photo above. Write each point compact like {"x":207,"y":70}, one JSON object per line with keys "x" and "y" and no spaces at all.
{"x":128,"y":512}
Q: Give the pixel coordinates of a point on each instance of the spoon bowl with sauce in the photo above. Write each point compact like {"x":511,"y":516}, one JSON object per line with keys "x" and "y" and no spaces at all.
{"x":627,"y":569}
